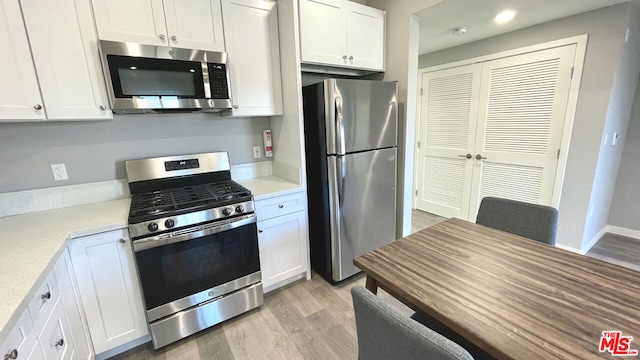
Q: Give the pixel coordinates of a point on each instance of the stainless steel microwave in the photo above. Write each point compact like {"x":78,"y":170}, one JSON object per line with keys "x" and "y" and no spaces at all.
{"x":147,"y":79}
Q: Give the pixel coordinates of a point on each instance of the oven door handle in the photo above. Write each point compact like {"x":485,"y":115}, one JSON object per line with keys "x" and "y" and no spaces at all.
{"x":191,"y":233}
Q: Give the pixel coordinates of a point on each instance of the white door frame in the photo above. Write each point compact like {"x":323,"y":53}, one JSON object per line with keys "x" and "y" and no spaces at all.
{"x":574,"y":91}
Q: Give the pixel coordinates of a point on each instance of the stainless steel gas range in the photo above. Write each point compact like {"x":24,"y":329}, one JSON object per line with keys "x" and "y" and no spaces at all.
{"x":195,"y":243}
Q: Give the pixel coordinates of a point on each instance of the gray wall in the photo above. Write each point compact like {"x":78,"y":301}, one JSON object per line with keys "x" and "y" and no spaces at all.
{"x":625,"y":209}
{"x":401,"y":64}
{"x":617,"y":121}
{"x":606,"y":29}
{"x":95,"y":151}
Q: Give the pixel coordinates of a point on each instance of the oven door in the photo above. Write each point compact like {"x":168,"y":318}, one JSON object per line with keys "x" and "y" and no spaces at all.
{"x":194,"y":265}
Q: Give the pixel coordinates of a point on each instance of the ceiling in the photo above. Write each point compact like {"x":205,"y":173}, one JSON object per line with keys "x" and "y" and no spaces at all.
{"x":437,"y":21}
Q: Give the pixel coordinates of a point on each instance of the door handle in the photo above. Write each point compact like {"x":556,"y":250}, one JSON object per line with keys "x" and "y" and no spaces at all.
{"x":480,"y":157}
{"x":468,"y":156}
{"x":339,"y":126}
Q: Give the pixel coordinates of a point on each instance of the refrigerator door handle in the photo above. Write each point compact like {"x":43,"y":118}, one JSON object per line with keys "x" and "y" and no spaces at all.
{"x":334,"y":205}
{"x":340,"y":126}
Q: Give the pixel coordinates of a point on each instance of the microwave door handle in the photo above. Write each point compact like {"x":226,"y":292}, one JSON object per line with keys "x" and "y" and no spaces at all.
{"x":206,"y":81}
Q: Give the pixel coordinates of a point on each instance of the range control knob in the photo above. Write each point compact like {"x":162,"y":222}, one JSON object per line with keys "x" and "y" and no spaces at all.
{"x":227,"y":211}
{"x":152,"y":227}
{"x":240,"y":209}
{"x":169,"y":223}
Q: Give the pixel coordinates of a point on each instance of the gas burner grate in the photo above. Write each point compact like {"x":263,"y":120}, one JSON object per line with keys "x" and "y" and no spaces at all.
{"x":193,"y":196}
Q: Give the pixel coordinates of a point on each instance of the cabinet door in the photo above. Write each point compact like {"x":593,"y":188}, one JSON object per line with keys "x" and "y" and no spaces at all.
{"x":140,"y":21}
{"x":322,"y":32}
{"x":64,"y":46}
{"x":365,"y":36}
{"x":283,"y":248}
{"x":109,"y":289}
{"x":20,"y":340}
{"x":55,"y":338}
{"x":19,"y":92}
{"x":36,"y":353}
{"x":63,"y":270}
{"x":194,"y":24}
{"x":251,"y":33}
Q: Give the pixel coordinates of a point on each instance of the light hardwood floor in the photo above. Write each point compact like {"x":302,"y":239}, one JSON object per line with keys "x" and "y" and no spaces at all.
{"x":314,"y":320}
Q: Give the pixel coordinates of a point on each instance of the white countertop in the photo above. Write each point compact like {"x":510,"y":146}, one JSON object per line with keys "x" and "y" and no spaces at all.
{"x":31,"y":243}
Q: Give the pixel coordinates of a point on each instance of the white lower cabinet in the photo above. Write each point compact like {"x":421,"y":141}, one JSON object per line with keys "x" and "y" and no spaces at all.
{"x":108,"y":285}
{"x":63,"y":270}
{"x":282,"y":239}
{"x":55,"y":338}
{"x":21,"y":339}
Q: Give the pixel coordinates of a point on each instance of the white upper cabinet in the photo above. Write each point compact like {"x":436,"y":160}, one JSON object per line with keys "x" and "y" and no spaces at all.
{"x":19,"y":92}
{"x":191,"y":24}
{"x":64,"y":47}
{"x":342,"y":33}
{"x":251,"y":34}
{"x":365,"y":36}
{"x":322,"y":32}
{"x":194,"y":24}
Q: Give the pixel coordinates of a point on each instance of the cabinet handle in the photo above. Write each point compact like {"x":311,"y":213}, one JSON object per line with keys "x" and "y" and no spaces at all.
{"x":11,"y":355}
{"x":46,"y":296}
{"x":122,"y":241}
{"x":350,"y":57}
{"x":162,"y":37}
{"x":235,"y":106}
{"x":468,"y":156}
{"x":59,"y":343}
{"x":281,"y":206}
{"x":480,"y":157}
{"x":174,"y":38}
{"x":260,"y":231}
{"x":37,"y":107}
{"x":345,"y":57}
{"x":103,"y":108}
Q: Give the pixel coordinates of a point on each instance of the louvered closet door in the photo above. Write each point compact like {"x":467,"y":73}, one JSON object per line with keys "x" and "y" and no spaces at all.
{"x":523,"y":103}
{"x":448,"y":114}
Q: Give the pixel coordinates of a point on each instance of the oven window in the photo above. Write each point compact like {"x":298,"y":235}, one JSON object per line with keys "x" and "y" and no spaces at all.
{"x":174,"y":271}
{"x":136,"y":77}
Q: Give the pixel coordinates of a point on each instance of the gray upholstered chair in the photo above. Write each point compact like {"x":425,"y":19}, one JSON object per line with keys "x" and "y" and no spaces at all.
{"x":385,"y":333}
{"x":537,"y":222}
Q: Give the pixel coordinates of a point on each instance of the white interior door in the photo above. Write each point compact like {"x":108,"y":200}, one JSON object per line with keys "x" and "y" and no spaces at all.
{"x":523,"y":103}
{"x":448,"y":116}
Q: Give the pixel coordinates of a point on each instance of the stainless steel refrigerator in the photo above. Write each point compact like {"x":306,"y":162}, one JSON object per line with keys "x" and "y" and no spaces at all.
{"x":350,"y":136}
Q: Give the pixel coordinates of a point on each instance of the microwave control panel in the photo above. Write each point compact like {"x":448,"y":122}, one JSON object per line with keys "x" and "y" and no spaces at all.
{"x":218,"y":81}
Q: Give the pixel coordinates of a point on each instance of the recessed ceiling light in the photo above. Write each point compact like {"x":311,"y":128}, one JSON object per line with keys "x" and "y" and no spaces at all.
{"x":461,"y":30}
{"x":505,"y":16}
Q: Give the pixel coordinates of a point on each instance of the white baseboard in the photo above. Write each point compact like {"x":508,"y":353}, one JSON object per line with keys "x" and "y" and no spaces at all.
{"x":617,"y":230}
{"x":569,"y":248}
{"x":585,"y":248}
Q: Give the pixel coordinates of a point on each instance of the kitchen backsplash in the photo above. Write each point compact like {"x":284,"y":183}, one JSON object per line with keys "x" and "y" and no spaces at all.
{"x":96,"y":151}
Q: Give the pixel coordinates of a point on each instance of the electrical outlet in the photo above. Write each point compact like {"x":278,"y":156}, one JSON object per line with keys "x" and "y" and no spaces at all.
{"x":257,"y":152}
{"x":59,"y":172}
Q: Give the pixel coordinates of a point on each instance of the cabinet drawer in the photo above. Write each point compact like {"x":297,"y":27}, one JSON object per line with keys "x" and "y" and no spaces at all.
{"x":43,"y":301}
{"x":55,"y":339}
{"x":281,"y":205}
{"x":20,"y":340}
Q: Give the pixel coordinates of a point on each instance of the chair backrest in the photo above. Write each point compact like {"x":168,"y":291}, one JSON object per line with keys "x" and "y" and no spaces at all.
{"x":537,"y":222}
{"x":385,"y":333}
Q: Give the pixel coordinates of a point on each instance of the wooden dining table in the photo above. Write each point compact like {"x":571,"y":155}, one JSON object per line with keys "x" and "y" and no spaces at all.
{"x":513,"y":297}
